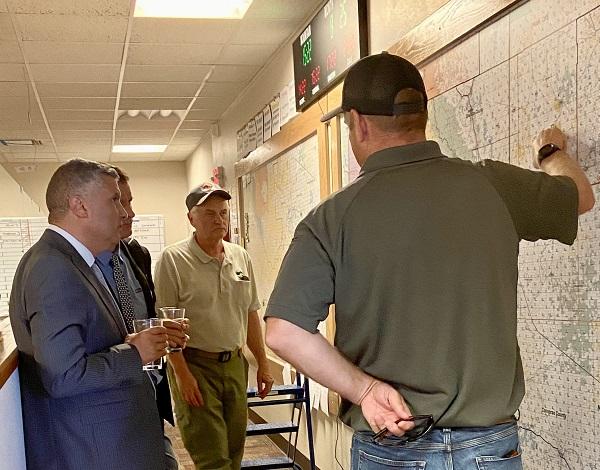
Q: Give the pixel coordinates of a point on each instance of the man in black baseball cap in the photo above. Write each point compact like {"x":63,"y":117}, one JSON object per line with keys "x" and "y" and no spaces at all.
{"x":372,"y":84}
{"x":419,"y":255}
{"x":201,"y":193}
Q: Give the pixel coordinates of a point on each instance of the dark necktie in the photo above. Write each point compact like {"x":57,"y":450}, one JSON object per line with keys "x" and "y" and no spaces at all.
{"x":123,"y":293}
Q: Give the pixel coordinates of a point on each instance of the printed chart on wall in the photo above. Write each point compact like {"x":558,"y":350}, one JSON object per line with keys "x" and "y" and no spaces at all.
{"x":18,"y":234}
{"x":490,"y":96}
{"x":276,"y":197}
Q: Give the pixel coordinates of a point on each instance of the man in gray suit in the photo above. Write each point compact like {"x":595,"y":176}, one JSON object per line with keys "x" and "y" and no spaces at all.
{"x":86,"y":401}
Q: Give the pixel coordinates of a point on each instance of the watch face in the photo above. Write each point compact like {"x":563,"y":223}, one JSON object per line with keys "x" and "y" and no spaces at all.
{"x":546,"y":151}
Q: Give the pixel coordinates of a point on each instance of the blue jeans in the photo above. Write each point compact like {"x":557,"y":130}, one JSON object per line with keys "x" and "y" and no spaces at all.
{"x":442,"y":449}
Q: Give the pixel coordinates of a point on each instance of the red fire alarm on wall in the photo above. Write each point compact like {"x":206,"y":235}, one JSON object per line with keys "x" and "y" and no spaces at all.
{"x":217,"y":175}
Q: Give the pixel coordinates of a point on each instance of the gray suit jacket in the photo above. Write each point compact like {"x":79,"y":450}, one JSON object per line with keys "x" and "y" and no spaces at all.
{"x":86,"y":401}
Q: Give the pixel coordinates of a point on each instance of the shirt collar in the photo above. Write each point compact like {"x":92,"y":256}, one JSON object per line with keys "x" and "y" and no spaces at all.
{"x":395,"y":156}
{"x":105,"y":256}
{"x":85,"y":253}
{"x":205,"y":257}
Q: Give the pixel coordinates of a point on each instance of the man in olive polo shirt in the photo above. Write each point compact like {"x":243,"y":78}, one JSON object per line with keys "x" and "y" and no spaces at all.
{"x":419,"y":255}
{"x":214,"y":281}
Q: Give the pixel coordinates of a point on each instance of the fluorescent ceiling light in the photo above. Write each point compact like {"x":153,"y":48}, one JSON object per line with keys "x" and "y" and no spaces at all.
{"x":139,"y":148}
{"x":235,"y":9}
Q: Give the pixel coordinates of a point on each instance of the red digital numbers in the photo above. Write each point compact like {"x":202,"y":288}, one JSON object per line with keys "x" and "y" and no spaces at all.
{"x":316,"y":74}
{"x":302,"y":87}
{"x":331,"y":60}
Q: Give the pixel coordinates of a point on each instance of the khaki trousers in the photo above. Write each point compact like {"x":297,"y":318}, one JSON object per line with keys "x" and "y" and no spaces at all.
{"x":214,"y":434}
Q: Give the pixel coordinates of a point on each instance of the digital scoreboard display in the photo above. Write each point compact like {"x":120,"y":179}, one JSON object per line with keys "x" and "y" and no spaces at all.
{"x":334,"y":39}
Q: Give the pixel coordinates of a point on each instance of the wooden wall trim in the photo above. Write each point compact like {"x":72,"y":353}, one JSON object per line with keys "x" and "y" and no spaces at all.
{"x":450,"y":24}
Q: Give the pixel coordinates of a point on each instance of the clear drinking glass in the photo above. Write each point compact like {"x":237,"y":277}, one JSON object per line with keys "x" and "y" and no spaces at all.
{"x":144,"y":324}
{"x":173,"y":313}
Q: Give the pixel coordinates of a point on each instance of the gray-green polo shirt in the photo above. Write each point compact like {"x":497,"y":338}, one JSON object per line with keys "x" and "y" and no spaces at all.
{"x":419,"y":255}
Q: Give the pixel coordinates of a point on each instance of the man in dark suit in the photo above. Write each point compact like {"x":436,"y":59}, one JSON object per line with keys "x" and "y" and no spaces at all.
{"x":86,"y":401}
{"x":138,"y":259}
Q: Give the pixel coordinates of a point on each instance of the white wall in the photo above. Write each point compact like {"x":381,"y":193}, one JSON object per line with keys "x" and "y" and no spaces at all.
{"x":12,"y":447}
{"x":157,"y":187}
{"x":199,"y":166}
{"x":14,"y":200}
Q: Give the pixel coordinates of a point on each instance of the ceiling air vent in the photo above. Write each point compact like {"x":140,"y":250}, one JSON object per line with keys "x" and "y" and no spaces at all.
{"x":20,"y":142}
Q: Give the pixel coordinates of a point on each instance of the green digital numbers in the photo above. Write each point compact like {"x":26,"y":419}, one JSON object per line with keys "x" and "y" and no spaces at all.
{"x":307,"y":52}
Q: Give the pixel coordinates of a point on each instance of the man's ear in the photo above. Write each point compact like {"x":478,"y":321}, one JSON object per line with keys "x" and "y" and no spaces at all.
{"x":361,"y":125}
{"x":78,"y":207}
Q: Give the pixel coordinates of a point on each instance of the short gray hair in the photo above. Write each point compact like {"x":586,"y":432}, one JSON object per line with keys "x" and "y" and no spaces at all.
{"x":73,"y":178}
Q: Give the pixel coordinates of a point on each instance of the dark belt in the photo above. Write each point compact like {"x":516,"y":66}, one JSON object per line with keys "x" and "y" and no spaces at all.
{"x":223,"y":356}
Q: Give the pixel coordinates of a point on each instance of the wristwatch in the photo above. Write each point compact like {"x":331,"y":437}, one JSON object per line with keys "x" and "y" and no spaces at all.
{"x":546,"y":151}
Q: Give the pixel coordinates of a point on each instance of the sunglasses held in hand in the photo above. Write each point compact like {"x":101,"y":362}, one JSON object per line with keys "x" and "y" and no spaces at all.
{"x":423,"y":424}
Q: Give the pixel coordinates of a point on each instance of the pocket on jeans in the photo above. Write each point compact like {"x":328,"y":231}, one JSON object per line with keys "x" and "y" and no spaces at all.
{"x":499,"y":463}
{"x":367,"y":461}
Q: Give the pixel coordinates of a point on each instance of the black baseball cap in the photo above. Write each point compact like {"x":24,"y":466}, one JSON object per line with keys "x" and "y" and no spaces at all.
{"x":372,"y":83}
{"x":203,"y":192}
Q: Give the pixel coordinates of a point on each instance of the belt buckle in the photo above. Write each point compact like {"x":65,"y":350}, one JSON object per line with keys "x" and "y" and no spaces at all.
{"x":224,"y":356}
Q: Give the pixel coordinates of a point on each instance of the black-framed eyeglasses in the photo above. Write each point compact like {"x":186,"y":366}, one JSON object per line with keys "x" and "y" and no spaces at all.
{"x":423,"y":424}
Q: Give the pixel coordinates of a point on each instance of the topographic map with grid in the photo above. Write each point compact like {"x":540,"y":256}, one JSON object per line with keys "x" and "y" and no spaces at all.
{"x":277,"y":196}
{"x":490,"y":96}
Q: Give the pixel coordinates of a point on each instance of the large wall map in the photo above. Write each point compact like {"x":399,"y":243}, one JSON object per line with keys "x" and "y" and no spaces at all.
{"x":490,"y":96}
{"x":277,"y":196}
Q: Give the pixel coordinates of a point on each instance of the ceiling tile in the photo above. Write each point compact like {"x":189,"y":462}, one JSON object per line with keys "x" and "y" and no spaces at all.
{"x":70,"y":7}
{"x":141,"y":123}
{"x":7,"y":32}
{"x":226,"y":89}
{"x":21,"y":123}
{"x":182,"y":31}
{"x":12,"y":73}
{"x":71,"y":28}
{"x":173,"y":54}
{"x":180,"y":149}
{"x":10,"y":52}
{"x":76,"y":135}
{"x":66,"y":90}
{"x":203,"y":114}
{"x":134,"y":157}
{"x":83,"y":147}
{"x":218,"y":104}
{"x":80,"y":125}
{"x":75,"y":73}
{"x":189,"y":124}
{"x":247,"y":54}
{"x":144,"y":134}
{"x":13,"y":89}
{"x":41,"y":134}
{"x":79,"y":114}
{"x":264,"y":31}
{"x":46,"y":147}
{"x":79,"y":103}
{"x":148,"y":140}
{"x":282,"y":9}
{"x":159,"y":90}
{"x":31,"y":157}
{"x":154,"y":103}
{"x":234,"y":73}
{"x":165,"y":73}
{"x":40,"y":52}
{"x":167,"y":157}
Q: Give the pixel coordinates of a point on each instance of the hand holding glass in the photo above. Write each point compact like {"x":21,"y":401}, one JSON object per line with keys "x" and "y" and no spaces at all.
{"x":176,"y":314}
{"x":144,"y":324}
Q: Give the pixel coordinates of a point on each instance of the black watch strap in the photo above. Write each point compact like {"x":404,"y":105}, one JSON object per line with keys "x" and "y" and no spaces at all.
{"x":546,"y":151}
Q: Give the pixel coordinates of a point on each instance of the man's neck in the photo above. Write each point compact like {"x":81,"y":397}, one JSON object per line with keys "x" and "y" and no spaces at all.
{"x":386,"y":141}
{"x":212,"y":248}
